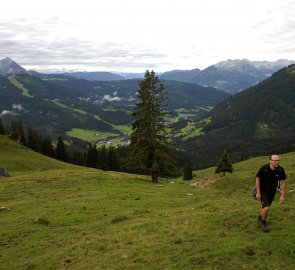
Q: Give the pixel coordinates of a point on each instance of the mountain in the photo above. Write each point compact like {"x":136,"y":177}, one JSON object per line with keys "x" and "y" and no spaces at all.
{"x":258,"y":120}
{"x":8,"y":66}
{"x":231,"y":76}
{"x":55,"y":104}
{"x":130,"y":75}
{"x":95,"y":76}
{"x":180,"y":75}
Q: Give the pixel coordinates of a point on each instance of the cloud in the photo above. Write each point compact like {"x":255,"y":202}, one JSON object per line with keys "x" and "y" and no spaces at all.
{"x":37,"y":49}
{"x":17,"y":107}
{"x":109,"y":98}
{"x":121,"y":36}
{"x":4,"y":112}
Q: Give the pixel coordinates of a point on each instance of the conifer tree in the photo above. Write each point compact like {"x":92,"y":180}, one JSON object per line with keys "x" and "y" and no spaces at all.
{"x":188,"y":172}
{"x":33,"y":139}
{"x":46,"y":147}
{"x":91,"y":156}
{"x":77,"y":158}
{"x":13,"y":131}
{"x":60,"y":151}
{"x":2,"y":127}
{"x":149,"y":144}
{"x":224,"y":164}
{"x":113,"y":159}
{"x":22,"y":137}
{"x":104,"y":164}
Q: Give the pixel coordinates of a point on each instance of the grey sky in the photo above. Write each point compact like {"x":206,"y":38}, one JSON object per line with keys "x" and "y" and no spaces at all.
{"x":134,"y":35}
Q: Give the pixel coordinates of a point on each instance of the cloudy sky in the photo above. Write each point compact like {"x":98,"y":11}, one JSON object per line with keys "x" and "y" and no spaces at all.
{"x":135,"y":35}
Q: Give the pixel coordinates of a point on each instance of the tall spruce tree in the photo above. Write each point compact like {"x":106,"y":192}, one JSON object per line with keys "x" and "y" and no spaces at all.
{"x":224,"y":164}
{"x":149,"y":147}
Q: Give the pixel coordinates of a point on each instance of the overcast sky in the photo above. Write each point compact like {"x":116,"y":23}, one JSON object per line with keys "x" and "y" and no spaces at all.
{"x":135,"y":35}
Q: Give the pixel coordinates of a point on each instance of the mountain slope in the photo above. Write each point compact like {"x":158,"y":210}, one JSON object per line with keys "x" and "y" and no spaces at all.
{"x":56,"y":104}
{"x":8,"y":66}
{"x":95,"y":76}
{"x":18,"y":159}
{"x":256,"y":121}
{"x":231,"y":76}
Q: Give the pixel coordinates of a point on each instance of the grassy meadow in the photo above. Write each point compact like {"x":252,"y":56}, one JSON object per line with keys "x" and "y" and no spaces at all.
{"x":59,"y":216}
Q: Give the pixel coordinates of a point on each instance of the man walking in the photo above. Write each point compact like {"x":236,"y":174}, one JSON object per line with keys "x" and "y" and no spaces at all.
{"x":269,"y":177}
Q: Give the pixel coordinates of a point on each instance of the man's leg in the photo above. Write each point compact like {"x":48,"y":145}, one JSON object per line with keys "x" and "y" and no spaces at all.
{"x":266,"y":201}
{"x":264,"y":212}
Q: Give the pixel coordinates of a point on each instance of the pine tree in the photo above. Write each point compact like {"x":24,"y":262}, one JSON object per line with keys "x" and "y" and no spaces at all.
{"x":22,"y":137}
{"x":113,"y":159}
{"x":33,"y":139}
{"x":13,"y":131}
{"x":188,"y":172}
{"x":104,"y":164}
{"x":60,"y":151}
{"x":224,"y":164}
{"x":46,"y":147}
{"x":2,"y":127}
{"x":149,"y":143}
{"x":91,"y":156}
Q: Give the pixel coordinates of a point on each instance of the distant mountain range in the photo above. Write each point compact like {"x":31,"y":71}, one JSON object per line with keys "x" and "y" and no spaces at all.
{"x":231,"y":76}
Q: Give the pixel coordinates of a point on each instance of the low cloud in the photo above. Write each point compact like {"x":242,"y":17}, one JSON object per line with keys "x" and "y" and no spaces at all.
{"x":18,"y":107}
{"x":109,"y":98}
{"x":4,"y":112}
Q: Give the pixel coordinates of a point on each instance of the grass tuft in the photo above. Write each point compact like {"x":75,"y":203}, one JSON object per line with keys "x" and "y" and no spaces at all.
{"x":118,"y":219}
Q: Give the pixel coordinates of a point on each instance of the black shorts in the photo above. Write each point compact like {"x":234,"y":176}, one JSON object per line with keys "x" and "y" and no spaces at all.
{"x":267,"y":198}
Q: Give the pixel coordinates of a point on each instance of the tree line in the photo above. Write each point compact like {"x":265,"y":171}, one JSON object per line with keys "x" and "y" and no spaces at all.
{"x":104,"y":158}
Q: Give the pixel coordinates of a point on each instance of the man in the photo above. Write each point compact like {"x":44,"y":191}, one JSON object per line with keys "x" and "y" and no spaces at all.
{"x":268,"y":178}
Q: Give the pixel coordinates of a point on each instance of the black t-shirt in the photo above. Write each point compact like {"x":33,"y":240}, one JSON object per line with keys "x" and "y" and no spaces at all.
{"x":269,"y":178}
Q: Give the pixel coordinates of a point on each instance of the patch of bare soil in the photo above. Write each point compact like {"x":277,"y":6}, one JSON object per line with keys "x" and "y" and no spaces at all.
{"x":203,"y":183}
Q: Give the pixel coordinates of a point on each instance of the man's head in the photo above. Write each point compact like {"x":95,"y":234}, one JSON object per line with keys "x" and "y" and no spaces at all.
{"x":274,"y":161}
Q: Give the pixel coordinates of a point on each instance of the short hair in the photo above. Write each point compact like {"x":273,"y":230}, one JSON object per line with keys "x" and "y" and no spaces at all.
{"x":274,"y":154}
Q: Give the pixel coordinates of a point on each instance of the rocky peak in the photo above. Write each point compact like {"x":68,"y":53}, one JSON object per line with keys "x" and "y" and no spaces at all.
{"x":8,"y":66}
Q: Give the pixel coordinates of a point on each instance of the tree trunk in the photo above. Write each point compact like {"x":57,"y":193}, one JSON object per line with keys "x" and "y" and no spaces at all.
{"x":155,"y":177}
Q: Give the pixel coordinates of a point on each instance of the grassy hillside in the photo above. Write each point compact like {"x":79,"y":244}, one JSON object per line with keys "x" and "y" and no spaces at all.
{"x":68,"y":217}
{"x":18,"y":159}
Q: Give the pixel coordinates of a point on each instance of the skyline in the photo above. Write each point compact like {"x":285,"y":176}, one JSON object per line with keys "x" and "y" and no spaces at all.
{"x":132,"y":36}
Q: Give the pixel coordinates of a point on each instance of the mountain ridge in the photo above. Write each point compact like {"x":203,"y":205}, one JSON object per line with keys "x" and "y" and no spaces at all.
{"x":231,"y":76}
{"x":257,"y":120}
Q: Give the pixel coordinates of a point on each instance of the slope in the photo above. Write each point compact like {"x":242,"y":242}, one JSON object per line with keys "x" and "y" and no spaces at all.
{"x":256,"y":121}
{"x":87,"y":219}
{"x":18,"y":159}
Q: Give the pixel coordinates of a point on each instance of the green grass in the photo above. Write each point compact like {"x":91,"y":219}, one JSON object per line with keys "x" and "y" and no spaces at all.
{"x":125,"y":129}
{"x":72,"y":217}
{"x":20,"y":86}
{"x":90,"y":135}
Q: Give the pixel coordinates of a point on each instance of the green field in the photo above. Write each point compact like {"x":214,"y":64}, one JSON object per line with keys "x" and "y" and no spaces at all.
{"x":59,"y":216}
{"x":90,"y":135}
